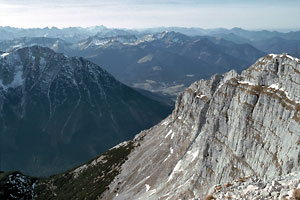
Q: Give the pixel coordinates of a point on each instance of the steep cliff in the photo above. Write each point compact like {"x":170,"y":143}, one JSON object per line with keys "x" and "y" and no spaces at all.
{"x":221,"y":129}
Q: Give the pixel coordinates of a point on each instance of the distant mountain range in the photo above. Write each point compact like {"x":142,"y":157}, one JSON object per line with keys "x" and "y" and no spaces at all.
{"x":279,"y":45}
{"x":58,"y":111}
{"x":71,"y":34}
{"x":55,"y":44}
{"x":165,"y":62}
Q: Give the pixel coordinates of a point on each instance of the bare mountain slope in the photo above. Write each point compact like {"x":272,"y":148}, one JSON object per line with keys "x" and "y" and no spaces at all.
{"x":221,"y":129}
{"x":57,"y":111}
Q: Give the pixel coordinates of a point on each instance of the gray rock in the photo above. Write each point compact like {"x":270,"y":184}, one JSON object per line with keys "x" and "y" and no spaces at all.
{"x":227,"y":127}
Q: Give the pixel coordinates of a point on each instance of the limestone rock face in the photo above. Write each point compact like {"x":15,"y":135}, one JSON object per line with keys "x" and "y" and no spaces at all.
{"x":227,"y":127}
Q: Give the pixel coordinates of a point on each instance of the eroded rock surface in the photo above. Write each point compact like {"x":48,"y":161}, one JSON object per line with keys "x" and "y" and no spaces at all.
{"x":227,"y":127}
{"x":251,"y":187}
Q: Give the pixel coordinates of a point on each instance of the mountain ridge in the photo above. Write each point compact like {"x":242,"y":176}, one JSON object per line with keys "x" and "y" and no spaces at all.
{"x":187,"y":150}
{"x":229,"y":127}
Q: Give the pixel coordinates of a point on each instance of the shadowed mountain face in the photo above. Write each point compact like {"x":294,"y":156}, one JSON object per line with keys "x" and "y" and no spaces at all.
{"x":56,"y":111}
{"x":279,"y":45}
{"x":266,"y":41}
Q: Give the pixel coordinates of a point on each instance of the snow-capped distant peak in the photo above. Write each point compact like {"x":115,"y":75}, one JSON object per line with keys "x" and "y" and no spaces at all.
{"x":272,"y":55}
{"x":164,"y":33}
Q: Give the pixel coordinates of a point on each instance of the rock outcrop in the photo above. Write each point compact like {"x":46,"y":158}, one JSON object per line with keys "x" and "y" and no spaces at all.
{"x":252,"y":187}
{"x":16,"y":186}
{"x":227,"y":127}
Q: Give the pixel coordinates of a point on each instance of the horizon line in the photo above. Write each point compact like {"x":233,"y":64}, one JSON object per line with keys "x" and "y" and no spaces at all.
{"x":154,"y":27}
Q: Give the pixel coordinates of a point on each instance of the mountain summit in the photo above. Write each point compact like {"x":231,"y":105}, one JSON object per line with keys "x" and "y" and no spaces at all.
{"x":58,"y":111}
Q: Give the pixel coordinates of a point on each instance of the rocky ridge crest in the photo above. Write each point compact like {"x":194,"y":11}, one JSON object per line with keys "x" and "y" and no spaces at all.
{"x":227,"y":127}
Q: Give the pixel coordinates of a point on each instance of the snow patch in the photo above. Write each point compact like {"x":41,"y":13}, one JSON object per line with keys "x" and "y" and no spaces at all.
{"x":100,"y":159}
{"x":177,"y":167}
{"x":167,"y":158}
{"x":200,"y":96}
{"x":17,"y":46}
{"x":145,"y":59}
{"x":290,"y":57}
{"x":272,"y":55}
{"x":246,"y":82}
{"x":288,"y":96}
{"x":17,"y":81}
{"x":220,"y":85}
{"x":274,"y":86}
{"x":172,"y":136}
{"x":100,"y":42}
{"x":168,"y":133}
{"x":55,"y":45}
{"x":290,"y":193}
{"x":152,"y":192}
{"x":195,"y":154}
{"x":4,"y":55}
{"x":171,"y":150}
{"x":142,"y":180}
{"x":164,"y":33}
{"x":147,"y":187}
{"x":77,"y":171}
{"x":164,"y":123}
{"x":119,"y":145}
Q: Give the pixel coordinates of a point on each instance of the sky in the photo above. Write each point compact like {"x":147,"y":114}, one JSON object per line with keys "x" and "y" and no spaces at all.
{"x":248,"y":14}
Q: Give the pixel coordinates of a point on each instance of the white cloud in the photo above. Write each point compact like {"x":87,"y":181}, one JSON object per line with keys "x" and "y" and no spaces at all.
{"x":141,"y":13}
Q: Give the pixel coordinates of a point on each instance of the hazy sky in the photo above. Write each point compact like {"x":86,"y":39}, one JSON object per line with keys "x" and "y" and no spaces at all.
{"x":250,"y":14}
